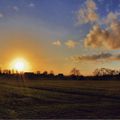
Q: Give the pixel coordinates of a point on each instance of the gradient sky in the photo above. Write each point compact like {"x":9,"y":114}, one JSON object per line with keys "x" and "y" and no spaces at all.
{"x":51,"y":34}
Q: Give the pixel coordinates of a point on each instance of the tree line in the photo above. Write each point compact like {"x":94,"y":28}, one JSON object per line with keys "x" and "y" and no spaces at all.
{"x":98,"y":74}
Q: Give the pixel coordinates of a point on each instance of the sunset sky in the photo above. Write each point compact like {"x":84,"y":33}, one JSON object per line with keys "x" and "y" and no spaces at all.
{"x":60,"y":34}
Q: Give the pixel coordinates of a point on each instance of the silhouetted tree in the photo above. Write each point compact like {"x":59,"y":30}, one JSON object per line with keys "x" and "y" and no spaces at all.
{"x":0,"y":71}
{"x":38,"y":72}
{"x":29,"y":75}
{"x":51,"y":72}
{"x":60,"y":75}
{"x":45,"y":73}
{"x":13,"y":71}
{"x":105,"y":71}
{"x":75,"y":72}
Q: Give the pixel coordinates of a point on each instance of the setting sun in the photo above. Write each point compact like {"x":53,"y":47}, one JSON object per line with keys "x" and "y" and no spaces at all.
{"x":19,"y":64}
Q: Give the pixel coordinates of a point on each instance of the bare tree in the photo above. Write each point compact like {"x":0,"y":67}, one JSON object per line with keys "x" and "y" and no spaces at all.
{"x":75,"y":72}
{"x":105,"y":71}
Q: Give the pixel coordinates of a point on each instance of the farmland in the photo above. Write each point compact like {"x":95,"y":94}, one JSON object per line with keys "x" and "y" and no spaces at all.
{"x":59,"y":99}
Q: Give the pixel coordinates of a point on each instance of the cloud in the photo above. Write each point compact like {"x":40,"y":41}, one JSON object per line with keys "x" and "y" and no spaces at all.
{"x":1,"y":15}
{"x":71,"y":44}
{"x":102,"y":57}
{"x":105,"y":30}
{"x":57,"y":43}
{"x":93,"y":57}
{"x":91,"y":5}
{"x":88,"y":13}
{"x":16,"y":8}
{"x":68,"y":43}
{"x":96,"y":37}
{"x":108,"y":38}
{"x":111,"y":17}
{"x":31,"y":5}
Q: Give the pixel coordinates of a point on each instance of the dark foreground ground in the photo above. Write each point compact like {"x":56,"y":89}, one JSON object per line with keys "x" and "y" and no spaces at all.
{"x":59,"y":99}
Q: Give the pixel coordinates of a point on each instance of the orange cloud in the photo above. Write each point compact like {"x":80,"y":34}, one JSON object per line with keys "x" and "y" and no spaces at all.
{"x":71,"y":44}
{"x":57,"y":43}
{"x":108,"y":38}
{"x":102,"y":57}
{"x":88,"y":13}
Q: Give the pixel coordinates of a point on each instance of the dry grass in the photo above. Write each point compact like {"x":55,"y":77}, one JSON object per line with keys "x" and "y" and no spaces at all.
{"x":59,"y":99}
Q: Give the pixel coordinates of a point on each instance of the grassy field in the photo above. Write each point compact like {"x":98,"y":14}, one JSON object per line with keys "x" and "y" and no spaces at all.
{"x":59,"y":99}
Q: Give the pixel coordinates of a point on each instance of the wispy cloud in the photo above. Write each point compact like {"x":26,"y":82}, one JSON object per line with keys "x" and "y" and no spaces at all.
{"x":111,"y":17}
{"x":1,"y":15}
{"x":31,"y":5}
{"x":87,"y":13}
{"x":16,"y":8}
{"x":93,"y":57}
{"x":68,"y":43}
{"x":71,"y":44}
{"x":57,"y":43}
{"x":96,"y":57}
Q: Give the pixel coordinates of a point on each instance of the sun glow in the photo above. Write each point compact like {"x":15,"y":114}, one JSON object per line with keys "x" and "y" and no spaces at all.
{"x":19,"y":64}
